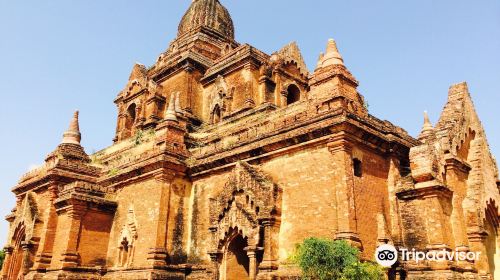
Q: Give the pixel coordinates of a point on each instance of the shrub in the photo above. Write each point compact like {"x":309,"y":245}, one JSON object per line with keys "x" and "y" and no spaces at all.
{"x":363,"y":271}
{"x":324,"y":259}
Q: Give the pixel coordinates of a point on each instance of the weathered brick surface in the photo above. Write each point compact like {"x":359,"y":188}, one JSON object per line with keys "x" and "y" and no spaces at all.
{"x":226,"y":157}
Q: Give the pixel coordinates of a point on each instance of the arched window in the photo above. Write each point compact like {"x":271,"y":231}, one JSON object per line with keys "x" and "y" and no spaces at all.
{"x":130,"y":116}
{"x":293,"y":94}
{"x":227,"y":49}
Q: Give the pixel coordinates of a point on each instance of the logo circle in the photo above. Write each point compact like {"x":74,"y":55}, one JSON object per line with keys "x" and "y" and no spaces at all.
{"x":386,"y":255}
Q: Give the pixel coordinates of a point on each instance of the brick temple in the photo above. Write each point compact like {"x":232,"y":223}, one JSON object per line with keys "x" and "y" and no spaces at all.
{"x":226,"y":157}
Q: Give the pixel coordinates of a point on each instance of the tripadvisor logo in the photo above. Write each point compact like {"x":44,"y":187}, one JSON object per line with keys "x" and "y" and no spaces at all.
{"x":387,"y":255}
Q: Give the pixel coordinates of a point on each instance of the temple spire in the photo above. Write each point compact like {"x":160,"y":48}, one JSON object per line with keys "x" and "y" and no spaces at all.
{"x":209,"y":14}
{"x":170,"y":115}
{"x":427,"y":130}
{"x":332,"y":55}
{"x":320,"y":60}
{"x":72,"y":135}
{"x":427,"y":121}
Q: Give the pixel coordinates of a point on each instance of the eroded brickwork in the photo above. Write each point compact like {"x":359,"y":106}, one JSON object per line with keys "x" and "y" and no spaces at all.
{"x":226,"y":157}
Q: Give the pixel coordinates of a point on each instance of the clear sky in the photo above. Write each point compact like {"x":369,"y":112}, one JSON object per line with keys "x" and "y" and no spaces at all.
{"x":57,"y":56}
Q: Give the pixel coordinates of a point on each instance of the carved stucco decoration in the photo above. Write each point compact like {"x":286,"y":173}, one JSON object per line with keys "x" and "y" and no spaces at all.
{"x":220,"y":97}
{"x":128,"y":236}
{"x":129,"y":229}
{"x":248,"y":198}
{"x":27,"y":216}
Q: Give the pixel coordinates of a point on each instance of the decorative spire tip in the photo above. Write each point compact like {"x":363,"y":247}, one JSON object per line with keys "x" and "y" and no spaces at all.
{"x":332,"y":55}
{"x":73,"y":135}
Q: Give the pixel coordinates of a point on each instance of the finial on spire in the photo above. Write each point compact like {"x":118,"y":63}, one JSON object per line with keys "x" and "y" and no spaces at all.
{"x":72,"y":135}
{"x":332,"y":55}
{"x":170,"y":115}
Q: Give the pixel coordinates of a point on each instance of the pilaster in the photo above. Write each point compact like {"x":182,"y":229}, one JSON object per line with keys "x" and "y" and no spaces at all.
{"x":341,"y":149}
{"x":26,"y":247}
{"x":457,"y":172}
{"x":70,"y":256}
{"x":6,"y":263}
{"x":393,"y":178}
{"x":435,"y":206}
{"x":263,"y":89}
{"x":477,"y":239}
{"x":283,"y":97}
{"x":252,"y":258}
{"x":250,"y":68}
{"x":44,"y":255}
{"x":153,"y":105}
{"x":189,"y":68}
{"x":157,"y":255}
{"x":269,"y":260}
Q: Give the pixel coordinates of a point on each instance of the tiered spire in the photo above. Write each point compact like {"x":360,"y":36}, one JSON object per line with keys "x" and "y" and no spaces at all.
{"x":73,"y":135}
{"x":427,"y":130}
{"x":331,"y":57}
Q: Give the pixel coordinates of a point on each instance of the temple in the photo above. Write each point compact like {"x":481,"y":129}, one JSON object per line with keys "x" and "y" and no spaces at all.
{"x":226,"y":157}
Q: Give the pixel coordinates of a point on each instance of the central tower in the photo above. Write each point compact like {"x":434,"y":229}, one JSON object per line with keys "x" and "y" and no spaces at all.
{"x":208,"y":14}
{"x":205,"y":34}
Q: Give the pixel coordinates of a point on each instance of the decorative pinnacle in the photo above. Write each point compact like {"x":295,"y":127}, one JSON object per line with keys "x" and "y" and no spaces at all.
{"x":320,"y":59}
{"x":427,"y":122}
{"x":427,"y":130}
{"x":332,"y":55}
{"x":73,"y":135}
{"x":170,"y":114}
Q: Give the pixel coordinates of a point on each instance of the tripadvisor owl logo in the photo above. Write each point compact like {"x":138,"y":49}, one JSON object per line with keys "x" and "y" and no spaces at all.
{"x":386,"y":255}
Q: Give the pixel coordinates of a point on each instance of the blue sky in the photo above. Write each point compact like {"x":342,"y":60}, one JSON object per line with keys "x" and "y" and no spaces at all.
{"x":60,"y":55}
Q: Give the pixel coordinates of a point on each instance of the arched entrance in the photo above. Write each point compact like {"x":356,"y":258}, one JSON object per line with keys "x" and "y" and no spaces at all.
{"x":235,"y":263}
{"x":242,"y":219}
{"x":17,"y":259}
{"x":19,"y":252}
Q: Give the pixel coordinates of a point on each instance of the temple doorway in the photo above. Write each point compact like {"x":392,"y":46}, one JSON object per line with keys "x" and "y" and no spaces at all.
{"x":236,"y":264}
{"x":16,"y":263}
